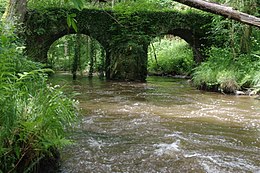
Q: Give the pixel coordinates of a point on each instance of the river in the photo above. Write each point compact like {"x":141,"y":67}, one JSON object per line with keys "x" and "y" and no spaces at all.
{"x":162,"y":126}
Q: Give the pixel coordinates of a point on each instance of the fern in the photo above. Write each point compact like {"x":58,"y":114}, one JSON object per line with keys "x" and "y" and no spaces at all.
{"x":34,"y":116}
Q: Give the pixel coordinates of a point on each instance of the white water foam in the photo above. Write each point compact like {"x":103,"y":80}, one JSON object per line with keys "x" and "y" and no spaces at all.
{"x":214,"y":163}
{"x":94,"y":143}
{"x":167,"y":148}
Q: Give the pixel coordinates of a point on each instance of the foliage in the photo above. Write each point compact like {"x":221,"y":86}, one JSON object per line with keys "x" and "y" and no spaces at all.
{"x":78,"y":4}
{"x":2,"y":6}
{"x":234,"y":60}
{"x":33,"y":114}
{"x":128,"y":33}
{"x":62,"y":51}
{"x":173,"y":56}
{"x":224,"y":73}
{"x":141,"y":5}
{"x":139,"y":25}
{"x":256,"y":82}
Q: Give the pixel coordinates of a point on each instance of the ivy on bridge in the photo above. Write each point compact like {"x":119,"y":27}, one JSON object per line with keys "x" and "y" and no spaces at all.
{"x":125,"y":36}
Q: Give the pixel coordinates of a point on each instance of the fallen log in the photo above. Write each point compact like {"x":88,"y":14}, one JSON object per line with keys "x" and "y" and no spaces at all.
{"x":222,"y":10}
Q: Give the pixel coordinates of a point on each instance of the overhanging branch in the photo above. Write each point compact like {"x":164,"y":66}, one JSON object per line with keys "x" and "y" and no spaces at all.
{"x":222,"y":10}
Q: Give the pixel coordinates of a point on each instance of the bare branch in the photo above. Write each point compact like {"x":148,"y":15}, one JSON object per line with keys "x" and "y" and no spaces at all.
{"x":222,"y":10}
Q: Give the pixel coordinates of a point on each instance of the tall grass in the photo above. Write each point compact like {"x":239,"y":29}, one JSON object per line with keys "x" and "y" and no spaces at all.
{"x":170,"y":56}
{"x":34,"y":116}
{"x":222,"y":72}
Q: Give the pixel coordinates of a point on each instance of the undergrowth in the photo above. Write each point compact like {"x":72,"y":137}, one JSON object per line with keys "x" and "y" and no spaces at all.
{"x":170,"y":56}
{"x":222,"y":72}
{"x":34,"y":116}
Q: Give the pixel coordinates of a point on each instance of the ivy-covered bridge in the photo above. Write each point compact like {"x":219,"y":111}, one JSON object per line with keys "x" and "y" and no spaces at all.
{"x":124,"y":36}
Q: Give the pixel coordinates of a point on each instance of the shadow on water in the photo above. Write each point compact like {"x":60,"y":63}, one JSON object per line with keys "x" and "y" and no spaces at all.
{"x":163,"y":125}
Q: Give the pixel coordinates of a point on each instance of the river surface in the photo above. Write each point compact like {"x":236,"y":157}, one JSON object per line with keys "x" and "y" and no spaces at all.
{"x":162,"y":126}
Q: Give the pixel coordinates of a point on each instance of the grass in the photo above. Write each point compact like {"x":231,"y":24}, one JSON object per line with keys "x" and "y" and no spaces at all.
{"x":222,"y":72}
{"x":173,"y":56}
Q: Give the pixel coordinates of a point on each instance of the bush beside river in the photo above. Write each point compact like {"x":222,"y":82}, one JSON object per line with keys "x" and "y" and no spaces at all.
{"x":34,"y":116}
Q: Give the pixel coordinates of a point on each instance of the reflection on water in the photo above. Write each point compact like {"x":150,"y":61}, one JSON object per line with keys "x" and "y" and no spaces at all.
{"x":163,"y":126}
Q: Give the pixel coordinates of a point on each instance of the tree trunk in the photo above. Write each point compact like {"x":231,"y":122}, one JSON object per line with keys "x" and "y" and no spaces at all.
{"x":66,"y":52}
{"x":15,"y":11}
{"x":91,"y":57}
{"x":76,"y":59}
{"x":155,"y":56}
{"x":113,"y":3}
{"x":102,"y":66}
{"x":222,"y":10}
{"x":245,"y":44}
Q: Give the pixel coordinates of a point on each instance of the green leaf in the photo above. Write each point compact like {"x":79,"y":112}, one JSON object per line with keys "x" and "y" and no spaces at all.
{"x":78,"y":4}
{"x":73,"y":15}
{"x":69,"y":20}
{"x":74,"y":25}
{"x":17,"y":151}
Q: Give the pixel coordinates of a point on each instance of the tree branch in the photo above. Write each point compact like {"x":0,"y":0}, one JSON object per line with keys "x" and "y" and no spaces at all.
{"x":222,"y":10}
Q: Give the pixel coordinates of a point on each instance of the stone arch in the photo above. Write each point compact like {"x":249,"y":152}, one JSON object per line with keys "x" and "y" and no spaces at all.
{"x":43,"y":43}
{"x":46,"y":26}
{"x":190,"y":37}
{"x":85,"y":40}
{"x":123,"y":61}
{"x":179,"y":59}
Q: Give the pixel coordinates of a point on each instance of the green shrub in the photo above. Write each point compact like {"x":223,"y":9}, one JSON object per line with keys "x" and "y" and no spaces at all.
{"x":256,"y":82}
{"x":227,"y":81}
{"x":205,"y":77}
{"x":225,"y":73}
{"x":33,"y":115}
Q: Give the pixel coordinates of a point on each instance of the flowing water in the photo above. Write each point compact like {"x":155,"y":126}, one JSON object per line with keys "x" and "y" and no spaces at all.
{"x":163,"y":126}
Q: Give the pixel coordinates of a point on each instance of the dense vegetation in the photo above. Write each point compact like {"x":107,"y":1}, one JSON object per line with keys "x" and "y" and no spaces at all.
{"x":170,"y":56}
{"x":35,"y":115}
{"x":234,"y":59}
{"x":63,"y":52}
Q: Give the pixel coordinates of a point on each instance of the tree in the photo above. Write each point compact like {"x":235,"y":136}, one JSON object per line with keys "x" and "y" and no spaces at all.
{"x":15,"y":11}
{"x":223,"y":10}
{"x":92,"y":55}
{"x":76,"y":58}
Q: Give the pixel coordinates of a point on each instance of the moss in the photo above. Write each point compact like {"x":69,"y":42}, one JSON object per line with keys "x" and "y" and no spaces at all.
{"x":114,"y":30}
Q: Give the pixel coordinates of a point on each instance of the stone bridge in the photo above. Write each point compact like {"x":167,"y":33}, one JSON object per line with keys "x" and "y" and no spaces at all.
{"x":124,"y":36}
